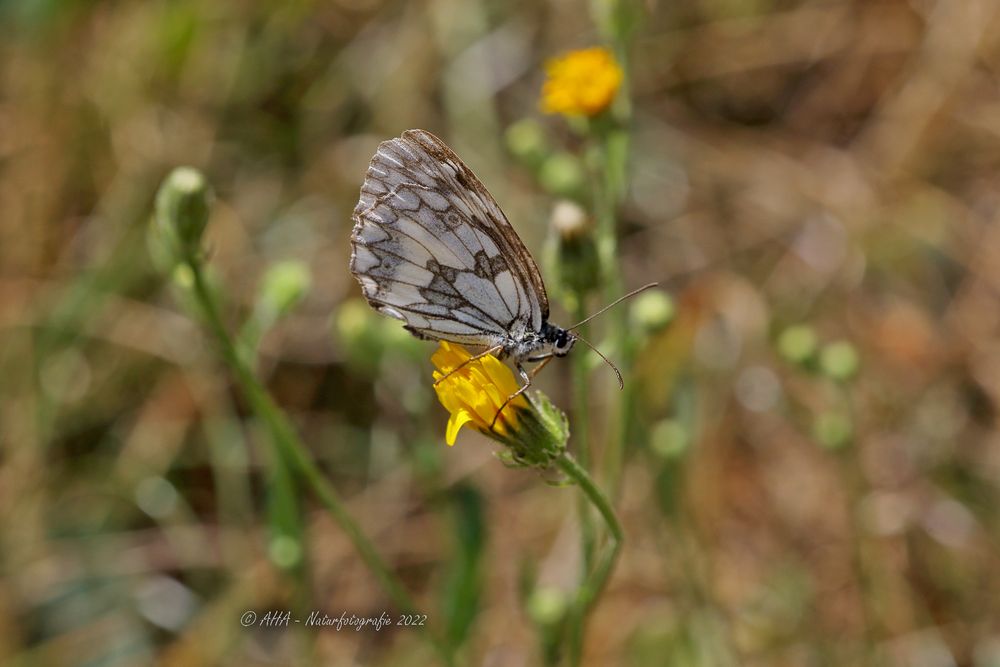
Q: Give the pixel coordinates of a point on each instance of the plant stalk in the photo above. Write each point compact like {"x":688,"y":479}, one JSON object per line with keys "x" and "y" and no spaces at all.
{"x":594,"y":584}
{"x":581,"y":436}
{"x":288,"y":446}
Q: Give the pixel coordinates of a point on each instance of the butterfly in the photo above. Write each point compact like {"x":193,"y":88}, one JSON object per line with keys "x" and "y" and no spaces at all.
{"x":431,"y":247}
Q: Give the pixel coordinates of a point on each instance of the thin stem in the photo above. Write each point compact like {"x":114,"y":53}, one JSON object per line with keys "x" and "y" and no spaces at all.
{"x":591,"y":589}
{"x":581,"y":435}
{"x":288,"y":445}
{"x":613,"y":158}
{"x":614,"y":144}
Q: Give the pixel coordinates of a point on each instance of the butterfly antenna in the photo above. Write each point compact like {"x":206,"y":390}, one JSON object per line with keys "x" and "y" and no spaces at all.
{"x":621,"y":383}
{"x":612,"y":305}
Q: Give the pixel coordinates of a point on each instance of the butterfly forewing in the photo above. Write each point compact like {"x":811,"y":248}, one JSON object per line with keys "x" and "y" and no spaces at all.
{"x":431,"y":247}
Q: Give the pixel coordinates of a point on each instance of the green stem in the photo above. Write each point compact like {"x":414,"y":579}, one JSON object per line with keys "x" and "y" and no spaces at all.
{"x":613,"y":159}
{"x":614,"y":144}
{"x":591,"y":588}
{"x":288,"y":446}
{"x":581,"y":435}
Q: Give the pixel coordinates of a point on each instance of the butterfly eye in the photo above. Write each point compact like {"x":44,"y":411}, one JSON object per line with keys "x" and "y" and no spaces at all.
{"x":563,"y":343}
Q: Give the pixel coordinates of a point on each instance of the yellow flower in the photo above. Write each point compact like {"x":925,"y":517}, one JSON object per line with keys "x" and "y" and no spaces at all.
{"x":581,"y":83}
{"x":475,"y":392}
{"x":533,"y":430}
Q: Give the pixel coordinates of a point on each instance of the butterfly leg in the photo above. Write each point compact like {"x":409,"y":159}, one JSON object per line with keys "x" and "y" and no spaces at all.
{"x":495,"y":348}
{"x":544,"y":358}
{"x":527,"y":377}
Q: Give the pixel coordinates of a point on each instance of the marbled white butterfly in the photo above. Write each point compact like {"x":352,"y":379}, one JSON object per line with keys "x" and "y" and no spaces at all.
{"x":432,"y":248}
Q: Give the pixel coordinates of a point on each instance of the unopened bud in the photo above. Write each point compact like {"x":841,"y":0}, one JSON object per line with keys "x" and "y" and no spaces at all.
{"x":652,"y":311}
{"x":183,"y":203}
{"x":576,"y":260}
{"x":284,"y":286}
{"x":839,"y":360}
{"x":798,"y":344}
{"x":526,"y":141}
{"x":285,"y":551}
{"x":562,"y":175}
{"x":547,"y":605}
{"x":569,"y":220}
{"x":833,"y":430}
{"x":670,"y":439}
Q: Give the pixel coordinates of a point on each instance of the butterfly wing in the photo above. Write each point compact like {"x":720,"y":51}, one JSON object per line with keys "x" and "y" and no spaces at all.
{"x":432,"y":248}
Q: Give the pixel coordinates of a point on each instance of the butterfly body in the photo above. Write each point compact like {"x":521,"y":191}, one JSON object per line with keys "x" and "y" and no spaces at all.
{"x":432,"y":248}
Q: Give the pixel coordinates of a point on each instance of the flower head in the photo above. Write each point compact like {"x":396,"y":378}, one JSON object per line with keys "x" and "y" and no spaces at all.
{"x":475,"y":390}
{"x":581,"y":83}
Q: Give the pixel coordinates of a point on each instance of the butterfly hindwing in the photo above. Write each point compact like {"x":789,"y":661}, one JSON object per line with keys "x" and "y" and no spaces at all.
{"x":431,"y":247}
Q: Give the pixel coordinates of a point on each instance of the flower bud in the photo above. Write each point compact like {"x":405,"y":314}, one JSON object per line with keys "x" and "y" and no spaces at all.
{"x":670,"y":439}
{"x":182,"y":207}
{"x":547,"y":605}
{"x":833,"y":430}
{"x":284,"y":286}
{"x":526,"y":141}
{"x":285,"y":551}
{"x":652,"y":311}
{"x":839,"y":361}
{"x":562,"y":174}
{"x":797,"y":344}
{"x":576,"y":260}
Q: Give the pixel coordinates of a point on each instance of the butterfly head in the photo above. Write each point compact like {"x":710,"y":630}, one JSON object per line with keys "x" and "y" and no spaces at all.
{"x":562,"y":342}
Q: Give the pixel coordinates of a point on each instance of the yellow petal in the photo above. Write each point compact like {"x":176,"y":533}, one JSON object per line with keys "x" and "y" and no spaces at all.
{"x":448,"y":357}
{"x":446,"y":396}
{"x":458,"y":419}
{"x":475,"y":392}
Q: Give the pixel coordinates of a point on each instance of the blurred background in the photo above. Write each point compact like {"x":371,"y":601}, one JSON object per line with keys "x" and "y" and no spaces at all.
{"x":813,"y":477}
